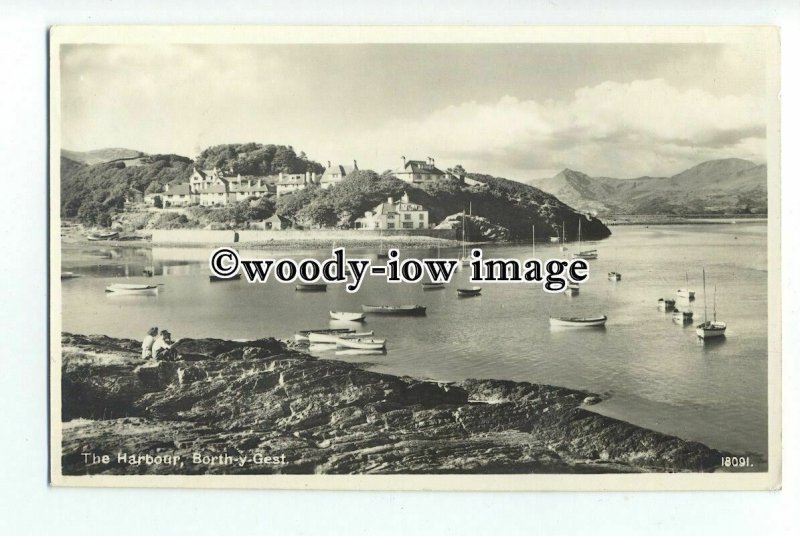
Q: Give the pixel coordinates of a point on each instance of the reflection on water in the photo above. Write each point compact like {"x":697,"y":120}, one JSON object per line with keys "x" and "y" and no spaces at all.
{"x":653,"y":371}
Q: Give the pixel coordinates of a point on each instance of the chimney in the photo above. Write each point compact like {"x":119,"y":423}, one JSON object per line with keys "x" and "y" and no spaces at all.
{"x":433,"y":162}
{"x":404,"y":161}
{"x":429,"y":160}
{"x":355,"y":165}
{"x":329,"y":163}
{"x":404,"y":199}
{"x":390,"y":200}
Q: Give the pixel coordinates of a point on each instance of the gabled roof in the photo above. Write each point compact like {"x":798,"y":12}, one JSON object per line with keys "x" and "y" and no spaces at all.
{"x":420,"y":166}
{"x":339,"y":169}
{"x":179,"y":189}
{"x":215,"y":189}
{"x":276,"y":218}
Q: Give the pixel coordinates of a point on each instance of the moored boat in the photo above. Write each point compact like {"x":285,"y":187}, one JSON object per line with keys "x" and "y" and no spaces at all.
{"x":215,"y":278}
{"x":683,"y":317}
{"x":572,"y":289}
{"x":68,"y":275}
{"x":311,"y":287}
{"x":710,"y":329}
{"x":686,"y":292}
{"x":469,"y":291}
{"x":96,"y":237}
{"x":578,"y":321}
{"x":361,"y":344}
{"x":614,"y":276}
{"x":302,"y":336}
{"x":666,"y":304}
{"x":132,"y":290}
{"x":395,"y":309}
{"x":587,"y":254}
{"x":432,"y":286}
{"x":354,"y":351}
{"x":332,"y":338}
{"x":347,"y":316}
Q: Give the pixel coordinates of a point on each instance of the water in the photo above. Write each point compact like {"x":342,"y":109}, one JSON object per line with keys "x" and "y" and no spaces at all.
{"x":651,"y":371}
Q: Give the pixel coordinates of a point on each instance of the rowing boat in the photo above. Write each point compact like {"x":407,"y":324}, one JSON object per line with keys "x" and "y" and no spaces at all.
{"x":120,"y":289}
{"x":471,"y":291}
{"x":432,"y":286}
{"x":332,"y":338}
{"x":302,"y":336}
{"x":347,"y":316}
{"x":579,"y":321}
{"x":395,"y":309}
{"x":361,"y":344}
{"x":311,"y":287}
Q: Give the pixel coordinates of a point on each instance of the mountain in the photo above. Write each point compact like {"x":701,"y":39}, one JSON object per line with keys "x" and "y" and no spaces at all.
{"x":99,"y":156}
{"x":729,"y":186}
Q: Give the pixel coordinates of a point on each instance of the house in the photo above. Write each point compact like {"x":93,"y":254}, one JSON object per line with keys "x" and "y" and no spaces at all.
{"x":276,"y":223}
{"x":419,"y":171}
{"x":211,"y":187}
{"x":395,"y":215}
{"x":292,"y":182}
{"x":335,"y":174}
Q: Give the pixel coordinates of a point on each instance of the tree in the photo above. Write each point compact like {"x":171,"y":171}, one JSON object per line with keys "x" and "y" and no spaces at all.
{"x":157,"y":202}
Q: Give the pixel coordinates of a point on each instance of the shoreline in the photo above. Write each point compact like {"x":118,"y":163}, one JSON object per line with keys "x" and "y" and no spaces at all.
{"x":335,"y":417}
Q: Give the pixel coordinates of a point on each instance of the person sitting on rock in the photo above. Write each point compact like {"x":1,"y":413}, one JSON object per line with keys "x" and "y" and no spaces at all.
{"x":147,"y":343}
{"x":162,"y":347}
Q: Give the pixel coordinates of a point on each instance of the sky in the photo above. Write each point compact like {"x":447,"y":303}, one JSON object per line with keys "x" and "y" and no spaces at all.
{"x":521,"y":111}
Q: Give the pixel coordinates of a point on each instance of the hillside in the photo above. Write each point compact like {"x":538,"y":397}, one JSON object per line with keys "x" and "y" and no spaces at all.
{"x":96,"y":195}
{"x":730,"y":186}
{"x":99,"y":156}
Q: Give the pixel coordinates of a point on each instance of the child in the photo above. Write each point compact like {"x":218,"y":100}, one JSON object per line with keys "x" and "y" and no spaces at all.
{"x":147,"y":343}
{"x":162,"y":347}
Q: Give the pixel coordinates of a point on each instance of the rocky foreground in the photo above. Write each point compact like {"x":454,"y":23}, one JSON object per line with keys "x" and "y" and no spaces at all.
{"x":262,"y":407}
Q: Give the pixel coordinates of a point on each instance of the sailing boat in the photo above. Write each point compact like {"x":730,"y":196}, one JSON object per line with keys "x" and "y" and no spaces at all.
{"x":382,"y":254}
{"x":564,"y":237}
{"x":708,"y":330}
{"x":464,"y":261}
{"x":686,"y":292}
{"x":589,"y":253}
{"x":533,"y":241}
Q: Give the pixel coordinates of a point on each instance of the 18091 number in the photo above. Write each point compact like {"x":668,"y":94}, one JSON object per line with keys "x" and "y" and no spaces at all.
{"x":735,"y":461}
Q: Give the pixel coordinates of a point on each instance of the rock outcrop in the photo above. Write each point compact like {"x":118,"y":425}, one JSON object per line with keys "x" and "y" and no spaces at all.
{"x":225,"y":401}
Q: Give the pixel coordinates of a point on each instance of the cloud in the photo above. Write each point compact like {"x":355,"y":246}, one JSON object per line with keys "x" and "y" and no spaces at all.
{"x":644,"y":127}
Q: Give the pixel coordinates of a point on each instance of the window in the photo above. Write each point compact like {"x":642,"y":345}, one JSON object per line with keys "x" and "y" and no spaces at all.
{"x":421,"y":216}
{"x":421,"y":225}
{"x":407,"y":216}
{"x":408,"y":225}
{"x":390,"y":226}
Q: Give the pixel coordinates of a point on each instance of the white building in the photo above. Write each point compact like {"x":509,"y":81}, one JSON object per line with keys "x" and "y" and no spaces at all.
{"x":395,"y":215}
{"x":335,"y":174}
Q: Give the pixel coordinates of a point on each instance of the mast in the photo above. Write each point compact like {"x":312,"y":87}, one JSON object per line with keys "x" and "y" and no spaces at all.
{"x":579,"y":234}
{"x":705,"y":301}
{"x":715,"y":302}
{"x":464,"y":234}
{"x":533,"y":241}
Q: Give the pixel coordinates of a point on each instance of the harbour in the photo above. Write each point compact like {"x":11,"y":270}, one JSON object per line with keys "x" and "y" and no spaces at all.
{"x":648,"y":369}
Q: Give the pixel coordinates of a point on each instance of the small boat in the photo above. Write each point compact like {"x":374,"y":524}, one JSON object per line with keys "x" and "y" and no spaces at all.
{"x":68,"y":275}
{"x":354,"y":351}
{"x":471,"y":291}
{"x":95,"y":237}
{"x":349,"y":317}
{"x":361,"y":344}
{"x":583,"y":254}
{"x":665,"y":304}
{"x":555,"y":239}
{"x":710,"y":329}
{"x":215,"y":278}
{"x":302,"y":336}
{"x":332,"y":338}
{"x":572,"y":289}
{"x":132,"y":290}
{"x":683,"y":317}
{"x":614,"y":276}
{"x":579,"y":321}
{"x":432,"y":286}
{"x":321,"y":347}
{"x":311,"y":287}
{"x":686,"y":292}
{"x":395,"y":309}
